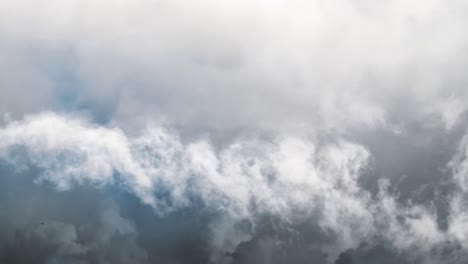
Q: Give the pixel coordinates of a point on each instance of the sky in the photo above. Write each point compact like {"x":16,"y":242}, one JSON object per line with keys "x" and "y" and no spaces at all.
{"x":183,"y":131}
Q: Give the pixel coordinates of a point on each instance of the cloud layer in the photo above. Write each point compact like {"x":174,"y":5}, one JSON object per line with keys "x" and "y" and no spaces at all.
{"x":233,"y":132}
{"x":294,"y":180}
{"x":286,"y":64}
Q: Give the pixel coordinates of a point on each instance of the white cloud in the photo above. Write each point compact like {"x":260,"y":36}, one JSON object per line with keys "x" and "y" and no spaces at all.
{"x":244,"y":64}
{"x":300,"y":70}
{"x":291,"y":178}
{"x":287,"y":177}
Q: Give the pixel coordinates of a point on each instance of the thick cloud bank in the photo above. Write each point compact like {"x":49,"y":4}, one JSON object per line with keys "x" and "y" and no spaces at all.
{"x":176,"y":131}
{"x":238,"y":64}
{"x":296,"y":181}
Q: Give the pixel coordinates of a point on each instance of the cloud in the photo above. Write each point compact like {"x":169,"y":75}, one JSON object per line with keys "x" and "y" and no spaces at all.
{"x":290,"y":130}
{"x":294,"y":65}
{"x":295,"y":180}
{"x":80,"y":226}
{"x":247,"y":178}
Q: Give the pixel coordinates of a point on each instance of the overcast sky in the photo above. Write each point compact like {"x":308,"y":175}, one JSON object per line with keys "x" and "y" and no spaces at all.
{"x":180,"y":131}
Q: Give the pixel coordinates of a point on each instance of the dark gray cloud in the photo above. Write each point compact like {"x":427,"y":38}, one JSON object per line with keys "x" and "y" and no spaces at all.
{"x":39,"y":225}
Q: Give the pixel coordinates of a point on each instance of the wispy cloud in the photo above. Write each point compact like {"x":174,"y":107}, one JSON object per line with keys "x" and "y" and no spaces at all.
{"x":294,"y":179}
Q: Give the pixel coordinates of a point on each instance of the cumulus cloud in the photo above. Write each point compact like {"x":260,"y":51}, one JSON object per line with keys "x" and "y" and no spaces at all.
{"x":296,"y":180}
{"x":288,"y":177}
